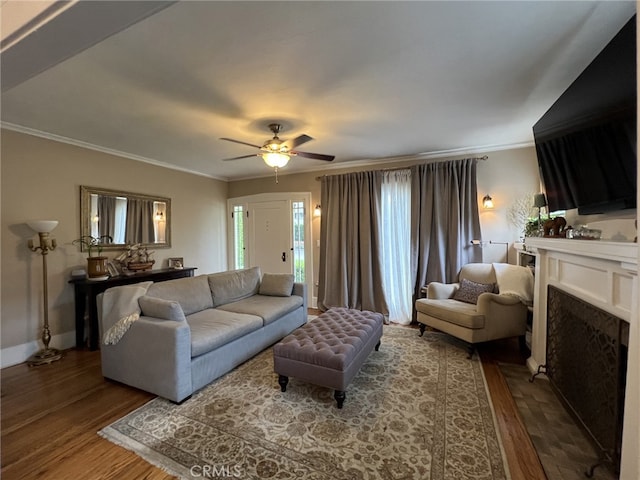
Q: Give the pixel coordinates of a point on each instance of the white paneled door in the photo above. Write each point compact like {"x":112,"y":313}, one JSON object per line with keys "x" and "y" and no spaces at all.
{"x":270,"y":236}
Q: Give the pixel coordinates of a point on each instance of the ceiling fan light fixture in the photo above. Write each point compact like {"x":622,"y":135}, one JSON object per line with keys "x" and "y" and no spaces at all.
{"x":274,"y":145}
{"x":275,"y":160}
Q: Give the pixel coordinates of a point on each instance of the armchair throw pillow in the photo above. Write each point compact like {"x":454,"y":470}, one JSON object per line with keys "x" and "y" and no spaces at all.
{"x":470,"y":291}
{"x":276,"y":284}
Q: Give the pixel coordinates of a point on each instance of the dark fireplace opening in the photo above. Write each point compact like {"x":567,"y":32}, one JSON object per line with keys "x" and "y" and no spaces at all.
{"x":587,"y":366}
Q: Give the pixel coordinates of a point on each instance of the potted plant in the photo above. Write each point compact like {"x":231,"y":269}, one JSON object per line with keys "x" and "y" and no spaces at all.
{"x":97,"y":266}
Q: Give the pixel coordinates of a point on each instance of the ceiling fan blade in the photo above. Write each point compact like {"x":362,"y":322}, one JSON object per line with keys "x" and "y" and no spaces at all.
{"x":240,"y":142}
{"x":315,"y":156}
{"x":294,"y":142}
{"x":242,"y":156}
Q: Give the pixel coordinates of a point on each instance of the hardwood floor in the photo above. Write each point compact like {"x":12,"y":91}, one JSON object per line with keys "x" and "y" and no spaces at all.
{"x":521,"y":454}
{"x":50,"y":416}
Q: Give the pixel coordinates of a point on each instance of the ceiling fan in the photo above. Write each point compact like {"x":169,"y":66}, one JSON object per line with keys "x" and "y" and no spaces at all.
{"x":276,"y":152}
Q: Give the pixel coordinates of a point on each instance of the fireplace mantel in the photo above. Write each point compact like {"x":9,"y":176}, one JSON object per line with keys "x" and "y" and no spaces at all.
{"x":623,"y":252}
{"x":604,"y":274}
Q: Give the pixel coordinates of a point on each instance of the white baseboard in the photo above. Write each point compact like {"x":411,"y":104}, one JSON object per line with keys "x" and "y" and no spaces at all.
{"x":20,"y":353}
{"x":314,"y":302}
{"x":533,"y":367}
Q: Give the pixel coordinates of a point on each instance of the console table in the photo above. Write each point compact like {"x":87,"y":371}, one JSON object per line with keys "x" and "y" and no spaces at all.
{"x":86,"y":289}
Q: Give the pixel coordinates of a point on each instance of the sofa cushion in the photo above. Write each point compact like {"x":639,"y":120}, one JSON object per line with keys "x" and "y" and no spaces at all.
{"x":276,"y":284}
{"x":452,"y":311}
{"x":470,"y":291}
{"x":267,"y":307}
{"x":161,"y":308}
{"x":213,"y":328}
{"x":227,"y":287}
{"x":192,"y":293}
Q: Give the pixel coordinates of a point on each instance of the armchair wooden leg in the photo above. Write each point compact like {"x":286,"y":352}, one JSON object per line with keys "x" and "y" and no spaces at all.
{"x":470,"y":349}
{"x":422,"y":328}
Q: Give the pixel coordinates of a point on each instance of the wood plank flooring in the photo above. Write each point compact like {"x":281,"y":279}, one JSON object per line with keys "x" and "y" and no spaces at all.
{"x":50,"y":415}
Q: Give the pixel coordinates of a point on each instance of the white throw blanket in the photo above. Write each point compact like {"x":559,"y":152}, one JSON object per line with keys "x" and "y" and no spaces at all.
{"x":516,"y":281}
{"x":120,"y":309}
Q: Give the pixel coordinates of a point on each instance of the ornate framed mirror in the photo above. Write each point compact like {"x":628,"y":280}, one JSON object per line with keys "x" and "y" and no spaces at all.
{"x":128,"y":218}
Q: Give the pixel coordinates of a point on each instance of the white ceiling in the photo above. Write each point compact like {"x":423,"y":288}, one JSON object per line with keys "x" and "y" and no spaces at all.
{"x":163,"y":82}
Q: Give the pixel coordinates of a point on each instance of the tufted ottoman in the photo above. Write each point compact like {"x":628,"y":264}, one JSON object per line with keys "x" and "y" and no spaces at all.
{"x":329,"y":350}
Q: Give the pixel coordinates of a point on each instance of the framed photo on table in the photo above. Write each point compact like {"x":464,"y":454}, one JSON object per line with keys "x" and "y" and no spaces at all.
{"x":176,"y":262}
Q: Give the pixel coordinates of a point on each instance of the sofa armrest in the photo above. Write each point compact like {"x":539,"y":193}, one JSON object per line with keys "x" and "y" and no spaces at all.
{"x":505,"y":315}
{"x":153,"y":355}
{"x":441,"y":291}
{"x":300,"y":289}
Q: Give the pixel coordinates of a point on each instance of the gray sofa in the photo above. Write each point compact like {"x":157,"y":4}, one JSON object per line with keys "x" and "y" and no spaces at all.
{"x":191,"y":331}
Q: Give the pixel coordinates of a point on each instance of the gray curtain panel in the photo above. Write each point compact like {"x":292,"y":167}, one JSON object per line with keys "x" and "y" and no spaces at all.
{"x":350,"y":268}
{"x":139,"y":227}
{"x":106,"y":215}
{"x":444,"y":220}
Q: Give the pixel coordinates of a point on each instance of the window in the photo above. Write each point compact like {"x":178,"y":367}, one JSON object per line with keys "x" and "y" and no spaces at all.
{"x":238,"y":237}
{"x":395,"y":242}
{"x":298,"y":241}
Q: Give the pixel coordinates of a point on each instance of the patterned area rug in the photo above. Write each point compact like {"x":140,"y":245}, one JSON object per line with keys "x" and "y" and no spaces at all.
{"x":418,"y":409}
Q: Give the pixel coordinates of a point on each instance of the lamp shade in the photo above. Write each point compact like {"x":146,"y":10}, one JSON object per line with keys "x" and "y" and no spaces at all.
{"x":487,"y":202}
{"x":539,"y":200}
{"x":42,"y":226}
{"x":275,"y":159}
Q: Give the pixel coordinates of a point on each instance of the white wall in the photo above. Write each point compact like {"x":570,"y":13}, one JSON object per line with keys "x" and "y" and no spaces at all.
{"x":506,"y":176}
{"x":41,"y":180}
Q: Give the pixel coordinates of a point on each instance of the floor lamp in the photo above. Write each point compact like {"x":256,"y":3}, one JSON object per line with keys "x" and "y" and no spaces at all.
{"x":47,"y":244}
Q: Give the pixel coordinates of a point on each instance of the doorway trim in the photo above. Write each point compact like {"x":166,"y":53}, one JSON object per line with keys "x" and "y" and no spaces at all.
{"x":305,"y":197}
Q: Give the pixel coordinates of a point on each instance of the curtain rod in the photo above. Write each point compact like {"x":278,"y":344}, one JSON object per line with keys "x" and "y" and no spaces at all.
{"x":484,"y":157}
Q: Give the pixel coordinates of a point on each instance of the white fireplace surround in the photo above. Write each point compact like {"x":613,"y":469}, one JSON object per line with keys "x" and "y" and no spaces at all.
{"x":604,"y":274}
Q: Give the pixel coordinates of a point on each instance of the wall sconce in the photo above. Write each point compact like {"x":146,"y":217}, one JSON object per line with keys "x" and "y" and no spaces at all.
{"x":317,"y":211}
{"x":47,"y":244}
{"x":487,"y":202}
{"x":159,"y":216}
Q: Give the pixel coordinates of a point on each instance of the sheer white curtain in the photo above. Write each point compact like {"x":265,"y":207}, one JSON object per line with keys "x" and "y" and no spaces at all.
{"x":395,"y":233}
{"x":121,"y":220}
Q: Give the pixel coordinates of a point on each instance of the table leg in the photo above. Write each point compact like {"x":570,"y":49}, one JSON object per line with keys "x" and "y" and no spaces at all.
{"x":81,"y":305}
{"x":93,"y":323}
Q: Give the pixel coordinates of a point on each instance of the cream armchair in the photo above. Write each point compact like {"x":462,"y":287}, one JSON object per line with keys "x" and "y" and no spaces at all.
{"x":477,"y":314}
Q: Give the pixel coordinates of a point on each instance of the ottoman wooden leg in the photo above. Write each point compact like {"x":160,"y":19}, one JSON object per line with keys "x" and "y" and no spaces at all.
{"x":340,"y":395}
{"x":378,"y":346}
{"x":283,"y":380}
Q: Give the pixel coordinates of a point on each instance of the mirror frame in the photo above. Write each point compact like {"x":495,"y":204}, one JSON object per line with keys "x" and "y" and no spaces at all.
{"x":85,"y":214}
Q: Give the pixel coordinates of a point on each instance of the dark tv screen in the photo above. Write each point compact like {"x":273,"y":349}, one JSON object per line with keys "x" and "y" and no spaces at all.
{"x":586,"y":141}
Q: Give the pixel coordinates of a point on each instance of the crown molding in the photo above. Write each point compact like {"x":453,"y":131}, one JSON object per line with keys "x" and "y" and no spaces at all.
{"x":109,"y":151}
{"x":366,"y":162}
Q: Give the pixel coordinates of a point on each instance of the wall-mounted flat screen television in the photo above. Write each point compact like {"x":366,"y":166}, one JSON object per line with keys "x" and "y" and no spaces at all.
{"x":586,"y":142}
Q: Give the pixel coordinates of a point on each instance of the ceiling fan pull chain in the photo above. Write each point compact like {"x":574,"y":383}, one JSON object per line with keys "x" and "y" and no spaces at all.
{"x":276,"y":168}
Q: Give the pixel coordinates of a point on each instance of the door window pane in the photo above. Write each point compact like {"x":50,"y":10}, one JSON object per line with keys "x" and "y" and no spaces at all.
{"x":238,"y":237}
{"x":298,"y":241}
